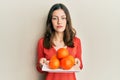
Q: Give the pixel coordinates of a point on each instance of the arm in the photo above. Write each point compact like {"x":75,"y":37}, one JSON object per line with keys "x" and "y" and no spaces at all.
{"x":40,"y":54}
{"x":79,"y":52}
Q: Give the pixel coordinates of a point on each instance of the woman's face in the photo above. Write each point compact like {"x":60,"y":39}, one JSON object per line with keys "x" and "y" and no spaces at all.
{"x":59,"y":20}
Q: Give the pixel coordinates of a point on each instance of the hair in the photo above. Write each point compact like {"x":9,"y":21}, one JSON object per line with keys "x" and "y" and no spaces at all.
{"x":69,"y":32}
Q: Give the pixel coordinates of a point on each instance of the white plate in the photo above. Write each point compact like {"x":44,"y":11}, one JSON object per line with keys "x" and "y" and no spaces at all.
{"x":75,"y":68}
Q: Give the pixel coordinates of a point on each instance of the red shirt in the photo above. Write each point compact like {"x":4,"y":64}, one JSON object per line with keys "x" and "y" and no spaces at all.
{"x":48,"y":53}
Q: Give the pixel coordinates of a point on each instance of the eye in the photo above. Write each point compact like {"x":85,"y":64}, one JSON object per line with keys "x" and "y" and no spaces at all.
{"x":54,"y":18}
{"x":63,"y":18}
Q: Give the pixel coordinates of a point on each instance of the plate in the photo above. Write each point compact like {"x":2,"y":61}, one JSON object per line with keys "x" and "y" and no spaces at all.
{"x":75,"y":68}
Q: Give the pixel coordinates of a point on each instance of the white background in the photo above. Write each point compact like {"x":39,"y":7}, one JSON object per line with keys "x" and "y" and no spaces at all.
{"x":22,"y":23}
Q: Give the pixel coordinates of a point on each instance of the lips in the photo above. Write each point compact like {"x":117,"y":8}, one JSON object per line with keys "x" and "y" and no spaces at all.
{"x":59,"y":26}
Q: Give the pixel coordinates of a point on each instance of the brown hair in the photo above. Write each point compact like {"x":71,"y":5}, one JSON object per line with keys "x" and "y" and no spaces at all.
{"x":69,"y":32}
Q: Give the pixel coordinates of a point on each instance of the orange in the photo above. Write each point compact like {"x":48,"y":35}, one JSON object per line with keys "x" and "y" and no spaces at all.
{"x":54,"y":56}
{"x":66,"y":63}
{"x":62,"y":52}
{"x":71,"y":58}
{"x":54,"y":63}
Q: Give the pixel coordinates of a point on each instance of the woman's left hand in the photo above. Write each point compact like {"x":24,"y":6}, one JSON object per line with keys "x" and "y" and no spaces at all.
{"x":77,"y":62}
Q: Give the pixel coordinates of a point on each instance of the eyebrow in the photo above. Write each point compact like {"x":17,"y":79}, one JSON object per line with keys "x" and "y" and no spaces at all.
{"x":57,"y":16}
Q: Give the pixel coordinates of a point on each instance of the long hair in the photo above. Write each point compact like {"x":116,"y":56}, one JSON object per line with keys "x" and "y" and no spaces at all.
{"x":69,"y":32}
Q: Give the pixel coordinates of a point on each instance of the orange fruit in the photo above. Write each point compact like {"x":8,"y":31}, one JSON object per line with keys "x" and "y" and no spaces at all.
{"x":54,"y":56}
{"x":66,"y":63}
{"x":54,"y":63}
{"x":71,"y":58}
{"x":62,"y":52}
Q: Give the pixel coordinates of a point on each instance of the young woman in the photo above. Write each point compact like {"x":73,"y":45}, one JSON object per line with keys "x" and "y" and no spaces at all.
{"x":59,"y":33}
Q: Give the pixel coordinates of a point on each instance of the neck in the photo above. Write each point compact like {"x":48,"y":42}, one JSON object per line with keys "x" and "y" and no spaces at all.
{"x":58,"y":37}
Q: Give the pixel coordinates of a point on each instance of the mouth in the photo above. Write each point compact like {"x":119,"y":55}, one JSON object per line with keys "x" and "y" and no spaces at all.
{"x":59,"y":26}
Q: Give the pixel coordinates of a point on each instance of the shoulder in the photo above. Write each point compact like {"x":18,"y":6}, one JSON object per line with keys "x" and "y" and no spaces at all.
{"x":41,"y":40}
{"x":76,"y":39}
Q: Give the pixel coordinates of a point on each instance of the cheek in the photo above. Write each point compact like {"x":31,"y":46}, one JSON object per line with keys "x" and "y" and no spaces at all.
{"x":53,"y":23}
{"x":65,"y":23}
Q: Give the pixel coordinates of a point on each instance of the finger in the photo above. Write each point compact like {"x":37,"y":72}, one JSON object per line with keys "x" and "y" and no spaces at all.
{"x":77,"y":62}
{"x":47,"y":62}
{"x":42,"y":61}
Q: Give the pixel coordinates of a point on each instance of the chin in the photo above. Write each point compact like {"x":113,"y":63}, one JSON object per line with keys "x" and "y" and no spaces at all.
{"x":60,"y":31}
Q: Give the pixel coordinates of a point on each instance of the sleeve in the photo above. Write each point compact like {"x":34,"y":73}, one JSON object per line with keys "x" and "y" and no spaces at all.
{"x":40,"y":54}
{"x":79,"y":52}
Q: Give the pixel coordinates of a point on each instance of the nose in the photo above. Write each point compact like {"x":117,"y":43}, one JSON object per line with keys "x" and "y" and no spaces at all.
{"x":59,"y":21}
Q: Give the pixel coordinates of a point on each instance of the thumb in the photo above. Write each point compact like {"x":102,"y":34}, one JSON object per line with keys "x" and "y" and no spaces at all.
{"x":77,"y":61}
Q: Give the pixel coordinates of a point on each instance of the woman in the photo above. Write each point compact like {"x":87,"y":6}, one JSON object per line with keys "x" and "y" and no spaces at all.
{"x":59,"y":33}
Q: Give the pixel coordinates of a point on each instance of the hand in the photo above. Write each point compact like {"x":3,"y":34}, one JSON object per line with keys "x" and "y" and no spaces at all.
{"x":43,"y":61}
{"x":77,"y":62}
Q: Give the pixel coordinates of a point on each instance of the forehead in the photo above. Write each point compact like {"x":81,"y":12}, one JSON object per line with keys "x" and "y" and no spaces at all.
{"x":58,"y":12}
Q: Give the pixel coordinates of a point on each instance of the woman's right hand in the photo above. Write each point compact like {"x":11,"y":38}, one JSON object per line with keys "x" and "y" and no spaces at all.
{"x":43,"y":61}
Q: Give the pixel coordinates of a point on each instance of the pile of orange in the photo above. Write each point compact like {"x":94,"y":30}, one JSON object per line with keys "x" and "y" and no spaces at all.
{"x":62,"y":60}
